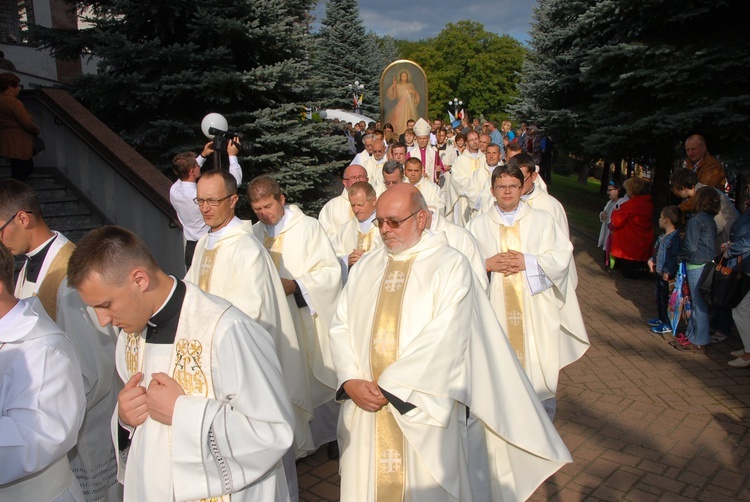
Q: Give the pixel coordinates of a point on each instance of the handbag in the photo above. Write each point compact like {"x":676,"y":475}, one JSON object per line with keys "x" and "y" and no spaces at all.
{"x":38,"y":146}
{"x":723,"y":286}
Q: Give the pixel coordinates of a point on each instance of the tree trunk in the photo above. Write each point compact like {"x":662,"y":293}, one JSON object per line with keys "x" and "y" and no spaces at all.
{"x":661,"y":192}
{"x":604,"y":178}
{"x":583,"y":171}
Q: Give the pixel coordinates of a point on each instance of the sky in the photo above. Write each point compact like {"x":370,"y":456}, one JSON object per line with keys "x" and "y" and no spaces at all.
{"x":418,"y":19}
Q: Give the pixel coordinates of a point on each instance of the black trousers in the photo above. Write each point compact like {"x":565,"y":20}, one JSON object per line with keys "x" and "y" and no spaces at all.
{"x":189,"y":252}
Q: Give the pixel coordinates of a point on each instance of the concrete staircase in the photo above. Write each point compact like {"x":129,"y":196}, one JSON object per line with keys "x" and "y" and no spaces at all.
{"x":63,"y":208}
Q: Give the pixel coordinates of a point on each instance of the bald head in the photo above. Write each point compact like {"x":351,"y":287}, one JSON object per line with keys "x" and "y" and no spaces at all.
{"x":402,"y":216}
{"x":695,"y":147}
{"x":353,"y":174}
{"x":378,"y":149}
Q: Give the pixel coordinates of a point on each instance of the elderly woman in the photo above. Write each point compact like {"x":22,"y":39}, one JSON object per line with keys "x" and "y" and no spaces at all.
{"x":632,"y":228}
{"x":17,"y":129}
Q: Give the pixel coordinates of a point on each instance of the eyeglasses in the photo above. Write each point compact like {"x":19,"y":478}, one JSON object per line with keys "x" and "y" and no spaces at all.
{"x":394,"y":224}
{"x":391,"y":183}
{"x":210,"y":202}
{"x":507,"y":188}
{"x":13,"y":218}
{"x":356,"y":178}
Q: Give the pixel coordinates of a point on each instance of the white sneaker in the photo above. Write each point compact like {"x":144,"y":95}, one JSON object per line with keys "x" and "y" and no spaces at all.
{"x":737,"y":353}
{"x":739,"y":363}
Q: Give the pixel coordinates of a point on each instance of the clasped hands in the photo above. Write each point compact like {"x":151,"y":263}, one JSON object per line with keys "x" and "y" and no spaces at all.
{"x":508,"y":263}
{"x":365,"y":394}
{"x":136,"y":403}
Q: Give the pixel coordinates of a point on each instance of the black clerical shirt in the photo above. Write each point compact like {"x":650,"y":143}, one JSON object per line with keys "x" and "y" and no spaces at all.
{"x":162,"y":327}
{"x":34,"y":262}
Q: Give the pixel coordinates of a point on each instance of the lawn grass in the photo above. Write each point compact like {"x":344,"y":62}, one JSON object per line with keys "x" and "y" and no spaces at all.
{"x":582,"y":203}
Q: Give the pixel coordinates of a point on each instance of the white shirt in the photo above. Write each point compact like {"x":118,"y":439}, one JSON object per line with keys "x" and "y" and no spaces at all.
{"x":181,"y":196}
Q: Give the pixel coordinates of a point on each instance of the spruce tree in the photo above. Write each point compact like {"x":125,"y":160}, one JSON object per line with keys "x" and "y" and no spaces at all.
{"x":163,"y":65}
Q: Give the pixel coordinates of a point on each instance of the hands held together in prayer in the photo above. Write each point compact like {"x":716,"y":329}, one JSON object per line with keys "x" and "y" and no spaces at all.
{"x":136,"y":403}
{"x":365,"y":394}
{"x":355,"y":256}
{"x":509,"y":263}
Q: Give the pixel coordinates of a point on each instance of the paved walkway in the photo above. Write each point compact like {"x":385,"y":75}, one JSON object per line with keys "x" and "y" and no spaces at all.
{"x":643,"y":421}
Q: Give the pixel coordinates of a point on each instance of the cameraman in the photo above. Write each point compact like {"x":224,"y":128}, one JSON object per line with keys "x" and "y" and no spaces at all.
{"x":187,"y":167}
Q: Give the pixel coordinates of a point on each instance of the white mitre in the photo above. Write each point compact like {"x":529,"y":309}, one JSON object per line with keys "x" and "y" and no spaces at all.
{"x":422,"y":128}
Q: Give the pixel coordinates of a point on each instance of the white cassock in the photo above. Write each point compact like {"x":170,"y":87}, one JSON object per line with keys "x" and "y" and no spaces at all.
{"x":448,"y":154}
{"x":479,"y":195}
{"x":232,"y":427}
{"x":545,"y":338}
{"x":302,"y":252}
{"x":450,"y":355}
{"x":355,"y":235}
{"x":461,"y":240}
{"x":360,"y":158}
{"x":43,"y":403}
{"x":232,"y":264}
{"x":432,"y":194}
{"x":461,"y":172}
{"x":374,"y":168}
{"x":93,"y":458}
{"x":335,"y":213}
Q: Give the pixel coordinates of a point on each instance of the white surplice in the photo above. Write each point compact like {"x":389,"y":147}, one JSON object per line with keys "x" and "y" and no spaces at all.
{"x":461,"y":239}
{"x":244,"y":275}
{"x":228,"y":443}
{"x":349,"y":237}
{"x":452,"y":355}
{"x":306,"y":256}
{"x":43,"y":403}
{"x":93,"y":458}
{"x":335,"y":213}
{"x":553,"y":337}
{"x":461,"y":172}
{"x":432,"y":194}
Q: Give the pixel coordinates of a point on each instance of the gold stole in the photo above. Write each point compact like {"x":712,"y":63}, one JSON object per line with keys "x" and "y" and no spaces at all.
{"x":206,"y":269}
{"x":389,"y":440}
{"x":364,"y":241}
{"x":474,"y":164}
{"x":510,"y":238}
{"x":274,"y":246}
{"x":57,"y":271}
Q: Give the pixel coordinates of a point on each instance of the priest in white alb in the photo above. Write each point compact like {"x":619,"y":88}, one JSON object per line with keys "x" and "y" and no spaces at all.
{"x":204,"y":408}
{"x":529,"y":256}
{"x":435,"y":406}
{"x":229,"y":262}
{"x":358,"y":235}
{"x":458,"y":208}
{"x":433,"y":194}
{"x":374,"y":164}
{"x":338,"y":210}
{"x":311,"y":276}
{"x":42,"y":400}
{"x":44,"y":275}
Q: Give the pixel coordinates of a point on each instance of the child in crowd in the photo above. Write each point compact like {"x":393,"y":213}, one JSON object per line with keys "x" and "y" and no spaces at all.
{"x":613,"y":191}
{"x":696,"y":251}
{"x":664,"y":265}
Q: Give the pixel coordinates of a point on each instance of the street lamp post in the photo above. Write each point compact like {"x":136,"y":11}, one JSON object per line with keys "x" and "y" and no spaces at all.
{"x":356,"y":88}
{"x":456,"y":104}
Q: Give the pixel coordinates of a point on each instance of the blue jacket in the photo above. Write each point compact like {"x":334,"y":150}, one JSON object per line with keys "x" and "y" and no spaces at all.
{"x":699,"y":247}
{"x":739,"y":235}
{"x":672,"y":244}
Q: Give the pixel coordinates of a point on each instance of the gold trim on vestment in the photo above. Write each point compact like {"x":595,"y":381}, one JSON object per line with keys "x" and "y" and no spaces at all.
{"x":187,"y":367}
{"x":390,"y":454}
{"x":364,"y":241}
{"x":510,"y":239}
{"x":56,"y":272}
{"x":133,"y":346}
{"x":206,"y":269}
{"x":274,"y":246}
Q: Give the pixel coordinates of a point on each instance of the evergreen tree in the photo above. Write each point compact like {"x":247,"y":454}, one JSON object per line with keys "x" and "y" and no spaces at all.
{"x":164,"y":64}
{"x":344,"y":54}
{"x":633,"y":79}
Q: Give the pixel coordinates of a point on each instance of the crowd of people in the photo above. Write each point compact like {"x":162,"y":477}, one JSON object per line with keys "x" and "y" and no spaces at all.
{"x":415,"y":328}
{"x":705,"y":227}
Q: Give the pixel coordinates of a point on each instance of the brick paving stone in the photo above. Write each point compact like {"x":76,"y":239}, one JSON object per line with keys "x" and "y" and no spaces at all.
{"x":643,"y":421}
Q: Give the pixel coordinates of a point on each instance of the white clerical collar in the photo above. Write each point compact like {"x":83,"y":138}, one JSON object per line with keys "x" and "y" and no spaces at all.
{"x":508,"y":216}
{"x":171,"y":292}
{"x":474,"y":155}
{"x":43,"y":245}
{"x":381,"y":161}
{"x":366,"y":226}
{"x":215,"y":236}
{"x":274,"y":230}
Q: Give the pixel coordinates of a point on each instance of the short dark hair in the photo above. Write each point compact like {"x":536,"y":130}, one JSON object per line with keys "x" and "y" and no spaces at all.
{"x":391,"y":166}
{"x":413,"y":160}
{"x":507,"y":170}
{"x":7,"y":267}
{"x":683,"y":178}
{"x":708,"y":200}
{"x":230,"y":182}
{"x":514,"y":146}
{"x":111,"y":252}
{"x":673,"y":214}
{"x":523,"y":160}
{"x":18,"y":196}
{"x":398,"y":144}
{"x":263,"y":186}
{"x":182,"y":163}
